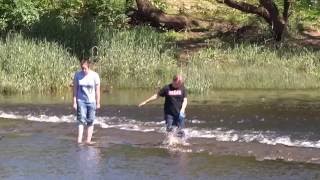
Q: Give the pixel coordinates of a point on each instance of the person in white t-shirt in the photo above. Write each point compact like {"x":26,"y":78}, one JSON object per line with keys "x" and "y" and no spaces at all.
{"x":86,"y":98}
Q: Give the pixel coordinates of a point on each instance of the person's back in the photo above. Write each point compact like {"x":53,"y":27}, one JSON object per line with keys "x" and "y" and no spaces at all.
{"x":174,"y":97}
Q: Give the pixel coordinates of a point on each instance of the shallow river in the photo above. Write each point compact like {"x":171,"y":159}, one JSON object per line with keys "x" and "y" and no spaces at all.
{"x":229,"y":135}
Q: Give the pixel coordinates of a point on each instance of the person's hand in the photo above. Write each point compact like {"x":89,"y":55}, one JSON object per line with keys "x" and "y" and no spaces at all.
{"x":141,"y":104}
{"x":74,"y":106}
{"x":98,"y":106}
{"x":182,"y":115}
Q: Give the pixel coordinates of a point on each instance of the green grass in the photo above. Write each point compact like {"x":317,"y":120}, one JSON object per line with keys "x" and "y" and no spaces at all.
{"x":30,"y":66}
{"x":144,"y":58}
{"x":138,"y":58}
{"x":43,"y":58}
{"x":251,"y":66}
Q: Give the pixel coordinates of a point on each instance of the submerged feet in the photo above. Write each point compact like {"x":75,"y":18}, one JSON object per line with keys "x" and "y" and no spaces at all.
{"x":87,"y":143}
{"x":90,"y":143}
{"x":180,"y":134}
{"x":175,"y":137}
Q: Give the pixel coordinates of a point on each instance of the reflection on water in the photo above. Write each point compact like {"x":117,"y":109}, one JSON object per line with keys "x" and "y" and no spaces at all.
{"x":88,"y":161}
{"x":183,"y":163}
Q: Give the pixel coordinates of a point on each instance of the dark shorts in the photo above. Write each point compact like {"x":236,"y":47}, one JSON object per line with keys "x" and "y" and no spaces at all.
{"x":172,"y":121}
{"x":86,"y":113}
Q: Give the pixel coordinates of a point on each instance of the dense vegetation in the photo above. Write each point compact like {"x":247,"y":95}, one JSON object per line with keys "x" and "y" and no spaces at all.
{"x":42,"y":40}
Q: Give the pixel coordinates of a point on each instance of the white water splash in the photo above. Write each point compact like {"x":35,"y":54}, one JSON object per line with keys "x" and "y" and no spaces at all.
{"x":173,"y":140}
{"x":264,"y":137}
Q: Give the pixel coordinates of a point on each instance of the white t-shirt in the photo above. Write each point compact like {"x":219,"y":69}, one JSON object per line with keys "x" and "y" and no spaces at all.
{"x":86,"y":86}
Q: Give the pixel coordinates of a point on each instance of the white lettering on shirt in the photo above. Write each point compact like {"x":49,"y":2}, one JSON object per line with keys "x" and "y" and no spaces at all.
{"x":175,"y":93}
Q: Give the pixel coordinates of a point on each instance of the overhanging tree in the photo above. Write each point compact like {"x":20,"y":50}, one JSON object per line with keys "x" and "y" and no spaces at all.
{"x":268,"y":10}
{"x":147,"y":12}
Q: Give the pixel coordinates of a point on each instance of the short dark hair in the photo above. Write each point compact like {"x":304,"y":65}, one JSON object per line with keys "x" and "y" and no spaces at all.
{"x":85,"y":60}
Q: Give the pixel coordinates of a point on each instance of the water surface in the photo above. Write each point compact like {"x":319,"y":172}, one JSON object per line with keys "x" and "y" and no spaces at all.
{"x":230,"y":135}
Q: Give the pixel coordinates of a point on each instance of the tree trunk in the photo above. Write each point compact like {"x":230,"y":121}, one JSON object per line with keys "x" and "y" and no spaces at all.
{"x":275,"y":20}
{"x":148,"y":13}
{"x":278,"y":29}
{"x":268,"y":10}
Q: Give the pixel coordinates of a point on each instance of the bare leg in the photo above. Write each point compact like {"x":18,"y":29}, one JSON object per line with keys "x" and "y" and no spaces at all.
{"x":89,"y":134}
{"x":80,"y":133}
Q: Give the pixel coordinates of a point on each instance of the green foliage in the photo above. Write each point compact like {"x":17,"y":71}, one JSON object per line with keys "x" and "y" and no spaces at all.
{"x":18,"y":14}
{"x":29,"y":66}
{"x":252,"y":66}
{"x":78,"y":37}
{"x":76,"y":23}
{"x":308,"y":4}
{"x":69,"y":11}
{"x":306,"y":14}
{"x":105,"y":13}
{"x":142,"y":58}
{"x":138,"y":58}
{"x":161,"y":4}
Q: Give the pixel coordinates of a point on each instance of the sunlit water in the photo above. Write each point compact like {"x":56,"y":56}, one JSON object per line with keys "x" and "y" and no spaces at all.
{"x":229,"y":135}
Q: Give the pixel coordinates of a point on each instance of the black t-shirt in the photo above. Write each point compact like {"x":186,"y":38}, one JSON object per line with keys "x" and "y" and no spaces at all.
{"x":173,"y":99}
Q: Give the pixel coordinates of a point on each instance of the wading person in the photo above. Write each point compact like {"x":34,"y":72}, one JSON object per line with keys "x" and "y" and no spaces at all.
{"x":175,"y":103}
{"x":86,"y":98}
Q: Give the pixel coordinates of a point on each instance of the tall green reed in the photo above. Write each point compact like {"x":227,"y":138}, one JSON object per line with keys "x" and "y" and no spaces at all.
{"x":252,"y":66}
{"x":144,"y":58}
{"x":137,"y":58}
{"x":27,"y":65}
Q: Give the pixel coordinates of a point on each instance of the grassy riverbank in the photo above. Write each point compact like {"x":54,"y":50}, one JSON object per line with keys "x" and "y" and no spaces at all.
{"x":144,"y":58}
{"x":41,"y":44}
{"x":252,"y":66}
{"x":27,"y":65}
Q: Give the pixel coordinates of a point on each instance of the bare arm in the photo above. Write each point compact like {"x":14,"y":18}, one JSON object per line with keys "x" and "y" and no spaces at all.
{"x":75,"y":88}
{"x":98,"y":96}
{"x":184,"y":105}
{"x":152,"y":98}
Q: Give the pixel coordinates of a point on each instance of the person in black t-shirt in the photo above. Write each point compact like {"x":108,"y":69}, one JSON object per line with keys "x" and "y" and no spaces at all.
{"x":175,"y":104}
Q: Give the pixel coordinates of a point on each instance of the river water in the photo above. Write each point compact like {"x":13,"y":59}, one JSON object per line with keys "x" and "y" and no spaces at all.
{"x":229,"y":135}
